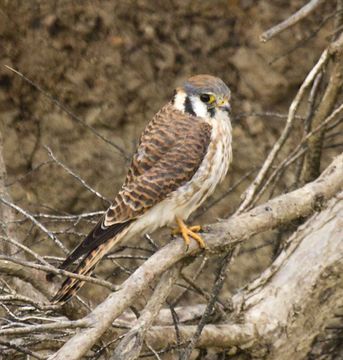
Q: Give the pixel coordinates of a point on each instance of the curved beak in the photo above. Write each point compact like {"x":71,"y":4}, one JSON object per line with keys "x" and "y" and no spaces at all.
{"x":224,"y":105}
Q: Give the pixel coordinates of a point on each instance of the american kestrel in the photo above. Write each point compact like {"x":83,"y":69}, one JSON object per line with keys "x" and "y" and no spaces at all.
{"x":183,"y":153}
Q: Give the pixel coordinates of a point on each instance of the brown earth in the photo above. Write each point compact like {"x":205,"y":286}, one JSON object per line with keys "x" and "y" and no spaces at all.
{"x":114,"y":64}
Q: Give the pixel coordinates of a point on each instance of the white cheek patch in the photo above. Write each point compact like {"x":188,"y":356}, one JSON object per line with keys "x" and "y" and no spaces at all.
{"x":199,"y":107}
{"x":179,"y":101}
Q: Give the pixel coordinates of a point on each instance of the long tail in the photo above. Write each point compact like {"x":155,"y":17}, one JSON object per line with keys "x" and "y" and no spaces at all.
{"x":72,"y":285}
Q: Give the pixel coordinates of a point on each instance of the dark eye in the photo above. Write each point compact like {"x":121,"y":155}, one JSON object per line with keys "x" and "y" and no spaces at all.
{"x":205,"y":98}
{"x":208,"y":98}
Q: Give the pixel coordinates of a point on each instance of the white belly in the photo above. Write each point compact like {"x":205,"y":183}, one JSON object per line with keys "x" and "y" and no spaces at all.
{"x":182,"y":202}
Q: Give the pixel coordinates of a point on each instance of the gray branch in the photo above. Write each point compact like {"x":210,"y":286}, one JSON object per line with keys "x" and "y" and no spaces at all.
{"x":221,"y":236}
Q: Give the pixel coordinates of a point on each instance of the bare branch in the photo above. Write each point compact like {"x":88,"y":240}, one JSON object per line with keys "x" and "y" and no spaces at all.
{"x":221,"y":336}
{"x":69,"y":112}
{"x":210,"y":306}
{"x":251,"y":191}
{"x":20,"y":298}
{"x":37,"y":223}
{"x":52,"y":269}
{"x":58,"y":325}
{"x":21,"y":349}
{"x":327,"y":104}
{"x":280,"y":210}
{"x":298,"y":151}
{"x":77,"y":177}
{"x":130,"y":346}
{"x":25,"y":248}
{"x":30,"y":276}
{"x":292,"y":20}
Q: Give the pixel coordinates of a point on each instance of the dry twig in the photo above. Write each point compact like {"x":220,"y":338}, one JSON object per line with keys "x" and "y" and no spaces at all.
{"x":253,"y":188}
{"x":290,"y":21}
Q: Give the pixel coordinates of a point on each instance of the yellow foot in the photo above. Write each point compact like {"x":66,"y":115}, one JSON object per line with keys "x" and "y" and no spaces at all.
{"x":188,"y":232}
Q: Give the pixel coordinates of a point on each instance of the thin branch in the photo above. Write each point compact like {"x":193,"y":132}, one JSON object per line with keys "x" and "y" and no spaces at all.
{"x":331,"y":94}
{"x":307,"y":124}
{"x":77,"y":177}
{"x":264,"y":114}
{"x":298,"y":151}
{"x":191,"y":281}
{"x":69,"y":217}
{"x":34,"y":169}
{"x":37,"y":223}
{"x":20,"y":298}
{"x":30,"y":276}
{"x":69,"y":112}
{"x":210,"y":306}
{"x":252,"y":189}
{"x":58,"y":325}
{"x":25,"y":248}
{"x":21,"y":349}
{"x":292,"y":20}
{"x":52,"y":269}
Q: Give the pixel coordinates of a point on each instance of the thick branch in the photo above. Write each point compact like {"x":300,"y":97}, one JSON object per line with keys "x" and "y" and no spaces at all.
{"x":221,"y":336}
{"x":280,"y":308}
{"x":306,"y":277}
{"x":280,"y":210}
{"x":130,"y":346}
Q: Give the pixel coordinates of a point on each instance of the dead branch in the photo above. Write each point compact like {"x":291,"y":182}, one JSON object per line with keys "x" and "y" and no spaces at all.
{"x":184,"y":313}
{"x":221,"y":336}
{"x":333,"y":90}
{"x":36,"y":222}
{"x":292,"y":20}
{"x":21,"y":349}
{"x":130,"y":346}
{"x":253,"y":188}
{"x":64,"y":108}
{"x":75,"y":176}
{"x":237,"y":229}
{"x":20,"y":280}
{"x":31,"y":276}
{"x":298,"y":151}
{"x":218,"y":284}
{"x":308,"y":270}
{"x":58,"y":325}
{"x":56,"y":271}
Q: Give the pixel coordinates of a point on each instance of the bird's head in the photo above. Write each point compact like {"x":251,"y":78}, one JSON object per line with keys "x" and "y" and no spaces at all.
{"x":204,"y":96}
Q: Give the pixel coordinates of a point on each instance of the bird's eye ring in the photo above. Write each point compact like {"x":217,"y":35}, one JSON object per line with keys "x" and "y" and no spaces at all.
{"x":207,"y":98}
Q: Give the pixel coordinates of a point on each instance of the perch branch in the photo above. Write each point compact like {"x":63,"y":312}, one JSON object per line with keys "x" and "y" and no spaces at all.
{"x":272,"y":314}
{"x":221,"y":236}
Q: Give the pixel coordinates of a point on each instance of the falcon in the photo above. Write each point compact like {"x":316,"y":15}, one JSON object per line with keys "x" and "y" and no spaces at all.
{"x":183,"y":153}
